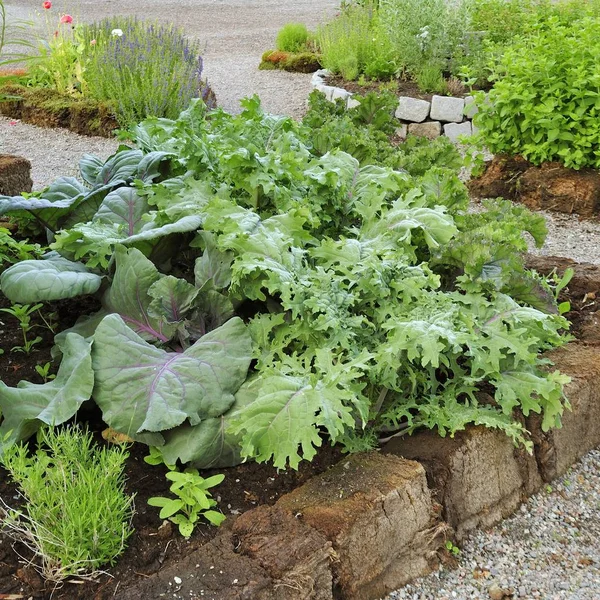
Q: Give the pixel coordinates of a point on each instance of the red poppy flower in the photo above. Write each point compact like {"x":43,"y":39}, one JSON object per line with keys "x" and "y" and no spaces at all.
{"x":66,"y":19}
{"x":47,"y":5}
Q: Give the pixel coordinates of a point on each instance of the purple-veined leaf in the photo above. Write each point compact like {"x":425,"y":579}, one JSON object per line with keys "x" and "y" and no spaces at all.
{"x":143,"y":390}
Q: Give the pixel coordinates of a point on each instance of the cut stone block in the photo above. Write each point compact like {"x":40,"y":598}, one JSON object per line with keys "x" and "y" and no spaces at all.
{"x":412,"y":109}
{"x":479,"y":476}
{"x":557,"y":449}
{"x":429,"y":130}
{"x":447,"y":109}
{"x":378,"y":513}
{"x":326,"y":89}
{"x":402,"y":131}
{"x":15,"y":175}
{"x":471,"y":108}
{"x":340,"y":93}
{"x":455,"y":131}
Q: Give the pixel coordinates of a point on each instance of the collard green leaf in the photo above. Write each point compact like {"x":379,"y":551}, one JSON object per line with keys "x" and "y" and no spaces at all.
{"x":142,"y":389}
{"x":209,"y":445}
{"x":25,"y":408}
{"x":54,"y":278}
{"x":129,"y":297}
{"x":172,"y":298}
{"x":150,"y":166}
{"x":90,"y":167}
{"x":120,"y":168}
{"x":125,"y":208}
{"x":213,"y":268}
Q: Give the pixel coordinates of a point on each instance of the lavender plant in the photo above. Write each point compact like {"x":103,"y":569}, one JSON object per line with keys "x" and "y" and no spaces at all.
{"x":145,"y":69}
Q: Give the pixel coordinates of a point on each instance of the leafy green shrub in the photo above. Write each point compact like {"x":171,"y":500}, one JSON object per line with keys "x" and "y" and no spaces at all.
{"x":371,"y":299}
{"x":292,"y":37}
{"x":424,"y":31}
{"x":13,"y":251}
{"x":76,"y":516}
{"x":144,"y":69}
{"x":544,"y":101}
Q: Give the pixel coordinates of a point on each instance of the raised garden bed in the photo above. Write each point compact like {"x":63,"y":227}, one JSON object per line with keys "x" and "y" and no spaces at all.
{"x":357,"y":529}
{"x":418,"y":114}
{"x":46,"y":107}
{"x":550,"y":186}
{"x":15,"y":175}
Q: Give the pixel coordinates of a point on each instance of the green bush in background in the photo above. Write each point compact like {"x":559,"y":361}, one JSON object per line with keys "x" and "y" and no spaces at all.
{"x":545,"y":104}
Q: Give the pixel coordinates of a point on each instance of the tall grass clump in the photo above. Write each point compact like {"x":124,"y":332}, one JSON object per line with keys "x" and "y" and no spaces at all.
{"x":76,"y":516}
{"x":354,"y":44}
{"x":292,"y":37}
{"x":144,"y":69}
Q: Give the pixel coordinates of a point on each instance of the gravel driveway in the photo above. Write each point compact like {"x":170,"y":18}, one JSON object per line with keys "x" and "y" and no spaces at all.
{"x":550,"y":549}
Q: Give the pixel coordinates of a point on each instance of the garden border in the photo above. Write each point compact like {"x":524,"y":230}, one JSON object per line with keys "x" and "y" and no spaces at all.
{"x":377,"y":520}
{"x":444,"y":115}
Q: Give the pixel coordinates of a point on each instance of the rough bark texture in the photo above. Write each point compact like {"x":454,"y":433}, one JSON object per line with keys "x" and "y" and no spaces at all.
{"x":558,"y":449}
{"x":478,"y":476}
{"x":297,"y":557}
{"x":378,"y":513}
{"x":257,"y":562}
{"x":548,"y":187}
{"x":15,"y":175}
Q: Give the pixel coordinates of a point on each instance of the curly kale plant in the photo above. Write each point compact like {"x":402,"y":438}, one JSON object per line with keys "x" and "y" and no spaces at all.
{"x":365,"y":298}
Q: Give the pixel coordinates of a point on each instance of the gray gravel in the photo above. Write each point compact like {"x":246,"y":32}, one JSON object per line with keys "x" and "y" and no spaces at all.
{"x":52,"y":152}
{"x":549,"y":550}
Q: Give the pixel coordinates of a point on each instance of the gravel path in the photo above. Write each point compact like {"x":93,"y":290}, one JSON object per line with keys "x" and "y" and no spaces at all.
{"x":550,"y":549}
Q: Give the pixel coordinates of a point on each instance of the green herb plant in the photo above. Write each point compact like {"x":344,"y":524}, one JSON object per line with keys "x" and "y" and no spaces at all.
{"x":12,"y":251}
{"x":76,"y":516}
{"x":544,"y":103}
{"x":192,"y":499}
{"x":23,"y":313}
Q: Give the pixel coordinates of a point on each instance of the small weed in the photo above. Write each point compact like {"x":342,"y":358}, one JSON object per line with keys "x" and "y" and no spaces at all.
{"x":44,"y":372}
{"x":454,"y":550}
{"x":193,"y":500}
{"x":23,"y":312}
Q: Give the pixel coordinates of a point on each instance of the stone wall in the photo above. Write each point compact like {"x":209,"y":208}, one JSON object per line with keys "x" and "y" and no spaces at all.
{"x":443,"y":115}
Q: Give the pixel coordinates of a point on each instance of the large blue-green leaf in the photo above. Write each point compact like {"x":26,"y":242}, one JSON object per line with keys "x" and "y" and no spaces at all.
{"x":124,"y":208}
{"x":209,"y":445}
{"x":25,"y":408}
{"x":142,"y":389}
{"x":128,"y":295}
{"x":54,"y":278}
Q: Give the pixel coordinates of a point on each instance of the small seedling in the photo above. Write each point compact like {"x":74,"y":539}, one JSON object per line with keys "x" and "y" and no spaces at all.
{"x":23,"y":312}
{"x":454,"y":550}
{"x":44,"y":372}
{"x":192,"y":502}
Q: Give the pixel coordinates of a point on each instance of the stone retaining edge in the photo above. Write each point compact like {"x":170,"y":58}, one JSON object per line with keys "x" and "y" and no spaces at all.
{"x":444,"y":115}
